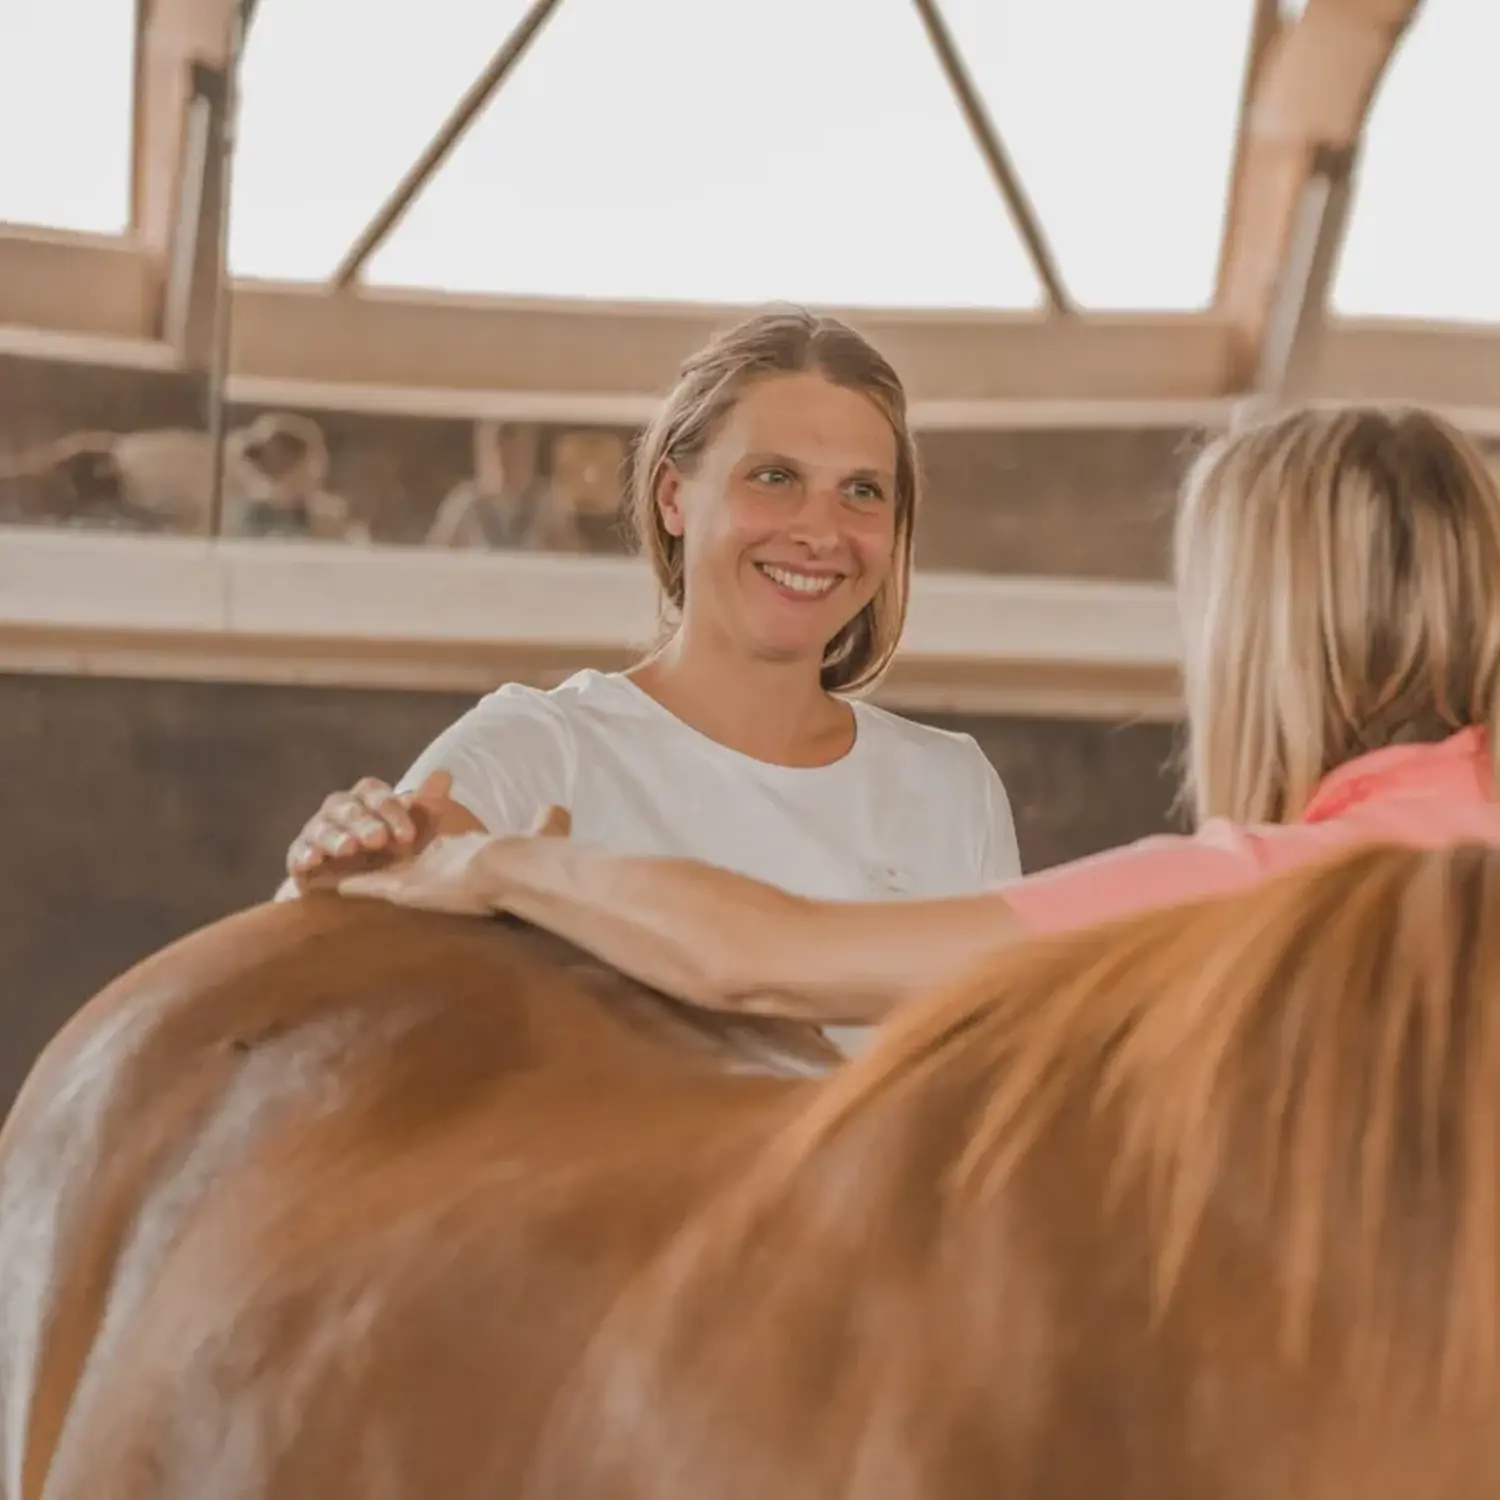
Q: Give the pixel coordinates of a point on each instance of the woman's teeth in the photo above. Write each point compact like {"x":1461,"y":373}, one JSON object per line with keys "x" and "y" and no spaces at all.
{"x":802,"y":583}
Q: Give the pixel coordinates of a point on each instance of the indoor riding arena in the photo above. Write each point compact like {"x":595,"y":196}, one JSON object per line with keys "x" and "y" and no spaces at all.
{"x":336,"y":342}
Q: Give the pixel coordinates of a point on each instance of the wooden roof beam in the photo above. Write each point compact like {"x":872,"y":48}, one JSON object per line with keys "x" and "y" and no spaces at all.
{"x":1307,"y":109}
{"x":183,"y":57}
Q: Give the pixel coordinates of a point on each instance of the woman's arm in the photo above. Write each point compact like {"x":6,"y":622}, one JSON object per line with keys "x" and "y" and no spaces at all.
{"x":707,"y":935}
{"x":727,"y":942}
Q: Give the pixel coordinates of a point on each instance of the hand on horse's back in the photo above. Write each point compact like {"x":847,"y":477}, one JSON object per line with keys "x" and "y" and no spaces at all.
{"x":454,"y":874}
{"x":371,"y":826}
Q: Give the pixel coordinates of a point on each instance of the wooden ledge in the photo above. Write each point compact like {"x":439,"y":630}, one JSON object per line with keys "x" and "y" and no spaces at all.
{"x":106,"y":604}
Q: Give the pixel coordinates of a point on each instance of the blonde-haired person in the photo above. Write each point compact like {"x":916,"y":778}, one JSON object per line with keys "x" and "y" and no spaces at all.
{"x":775,"y":496}
{"x":1339,"y":579}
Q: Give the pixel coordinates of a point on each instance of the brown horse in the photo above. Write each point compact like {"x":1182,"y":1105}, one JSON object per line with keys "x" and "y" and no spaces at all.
{"x":335,"y":1200}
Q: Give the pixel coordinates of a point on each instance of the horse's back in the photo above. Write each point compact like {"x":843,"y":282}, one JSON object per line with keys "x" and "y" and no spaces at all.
{"x":297,"y":1204}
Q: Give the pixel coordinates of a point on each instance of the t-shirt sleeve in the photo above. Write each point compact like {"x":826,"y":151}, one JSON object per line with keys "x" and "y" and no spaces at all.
{"x":510,"y":756}
{"x":999,"y":853}
{"x":1157,"y":871}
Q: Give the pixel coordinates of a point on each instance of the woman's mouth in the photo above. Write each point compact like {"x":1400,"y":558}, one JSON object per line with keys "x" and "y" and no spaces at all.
{"x":804,"y":585}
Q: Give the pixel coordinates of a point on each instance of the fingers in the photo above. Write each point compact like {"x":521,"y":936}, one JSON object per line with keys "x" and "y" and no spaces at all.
{"x":554,"y":822}
{"x":364,"y":818}
{"x":438,"y":787}
{"x":368,"y":819}
{"x":324,"y":871}
{"x":328,"y":873}
{"x":382,"y":814}
{"x":375,"y":885}
{"x":429,"y":805}
{"x":444,"y":877}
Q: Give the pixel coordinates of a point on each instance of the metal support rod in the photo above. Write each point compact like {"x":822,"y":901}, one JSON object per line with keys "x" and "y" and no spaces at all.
{"x":479,"y":93}
{"x":997,"y":158}
{"x":218,"y":374}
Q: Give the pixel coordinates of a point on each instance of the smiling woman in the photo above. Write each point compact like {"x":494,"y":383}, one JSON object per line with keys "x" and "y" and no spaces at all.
{"x":775,"y":496}
{"x":807,"y":483}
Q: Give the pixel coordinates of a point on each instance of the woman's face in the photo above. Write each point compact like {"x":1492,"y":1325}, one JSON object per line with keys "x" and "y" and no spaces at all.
{"x":788,"y":519}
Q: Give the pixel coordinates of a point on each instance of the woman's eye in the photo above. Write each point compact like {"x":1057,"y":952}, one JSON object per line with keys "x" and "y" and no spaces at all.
{"x":862,"y":489}
{"x":771,"y":476}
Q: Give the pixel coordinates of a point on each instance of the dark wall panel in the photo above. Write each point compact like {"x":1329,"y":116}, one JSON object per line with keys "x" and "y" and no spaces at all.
{"x":136,"y":811}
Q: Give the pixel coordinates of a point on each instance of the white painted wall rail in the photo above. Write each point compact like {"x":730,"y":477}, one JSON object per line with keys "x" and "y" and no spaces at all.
{"x":268,"y":611}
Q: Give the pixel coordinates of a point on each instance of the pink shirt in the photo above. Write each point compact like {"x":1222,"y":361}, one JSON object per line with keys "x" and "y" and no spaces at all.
{"x":1427,"y":795}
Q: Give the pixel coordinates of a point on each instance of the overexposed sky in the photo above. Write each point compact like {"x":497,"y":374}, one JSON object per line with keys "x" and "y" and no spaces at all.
{"x":738,"y":150}
{"x":1424,"y":236}
{"x":66,"y":68}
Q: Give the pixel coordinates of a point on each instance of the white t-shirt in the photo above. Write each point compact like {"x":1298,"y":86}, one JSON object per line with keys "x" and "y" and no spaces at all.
{"x":909,"y":811}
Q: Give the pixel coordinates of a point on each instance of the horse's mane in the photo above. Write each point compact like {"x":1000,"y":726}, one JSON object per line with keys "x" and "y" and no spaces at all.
{"x":1324,"y":1049}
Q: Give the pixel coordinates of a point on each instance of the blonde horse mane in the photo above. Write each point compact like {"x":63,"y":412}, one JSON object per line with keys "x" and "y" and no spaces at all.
{"x":1329,"y":1044}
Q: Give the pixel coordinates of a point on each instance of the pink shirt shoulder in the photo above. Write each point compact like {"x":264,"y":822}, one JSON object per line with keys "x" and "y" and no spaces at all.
{"x":1426,"y":795}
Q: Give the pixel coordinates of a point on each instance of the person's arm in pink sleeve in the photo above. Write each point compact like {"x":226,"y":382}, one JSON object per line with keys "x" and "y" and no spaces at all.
{"x":1154,"y":872}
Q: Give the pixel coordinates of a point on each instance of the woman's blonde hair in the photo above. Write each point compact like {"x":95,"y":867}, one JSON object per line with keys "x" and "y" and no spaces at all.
{"x":781,"y":342}
{"x":1339,"y":577}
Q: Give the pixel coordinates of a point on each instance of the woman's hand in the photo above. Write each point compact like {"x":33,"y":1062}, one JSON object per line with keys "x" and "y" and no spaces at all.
{"x":456,"y":874}
{"x":373,"y":824}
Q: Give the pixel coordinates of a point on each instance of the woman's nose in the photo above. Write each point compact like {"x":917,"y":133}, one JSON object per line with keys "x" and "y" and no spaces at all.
{"x":816,"y":521}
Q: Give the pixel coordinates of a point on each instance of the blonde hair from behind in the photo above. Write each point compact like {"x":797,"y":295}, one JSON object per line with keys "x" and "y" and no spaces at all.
{"x":1338,"y":573}
{"x":781,"y":342}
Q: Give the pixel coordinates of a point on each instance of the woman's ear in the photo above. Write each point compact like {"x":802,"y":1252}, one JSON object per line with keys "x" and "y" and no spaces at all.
{"x":669,"y":498}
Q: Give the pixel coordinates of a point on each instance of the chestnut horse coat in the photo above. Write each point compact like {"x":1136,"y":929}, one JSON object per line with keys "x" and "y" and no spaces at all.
{"x":336,"y":1200}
